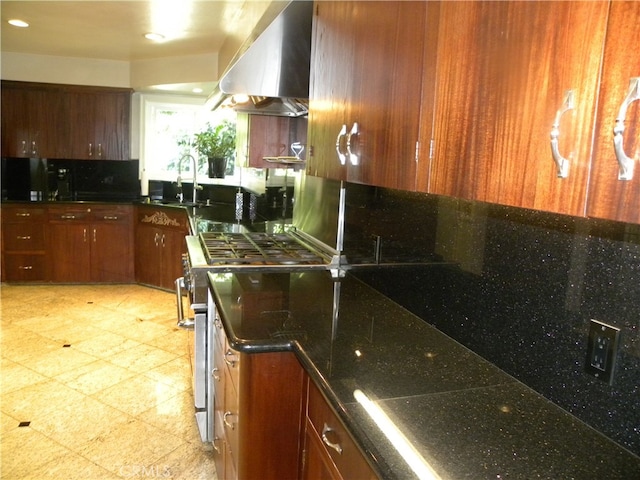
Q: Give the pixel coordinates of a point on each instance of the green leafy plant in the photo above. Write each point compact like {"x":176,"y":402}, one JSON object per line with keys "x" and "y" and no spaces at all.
{"x":217,"y":141}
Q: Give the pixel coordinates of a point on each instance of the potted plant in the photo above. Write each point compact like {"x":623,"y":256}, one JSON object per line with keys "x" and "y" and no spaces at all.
{"x":218,"y":144}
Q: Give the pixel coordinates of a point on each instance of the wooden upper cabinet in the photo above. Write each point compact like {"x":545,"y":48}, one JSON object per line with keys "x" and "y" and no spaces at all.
{"x":260,"y":136}
{"x":609,"y":196}
{"x":504,"y":69}
{"x":41,"y":120}
{"x":366,"y":71}
{"x":331,"y":86}
{"x":99,"y":124}
{"x":32,"y":122}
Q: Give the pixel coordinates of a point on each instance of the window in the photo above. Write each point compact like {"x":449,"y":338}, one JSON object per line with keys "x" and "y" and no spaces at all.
{"x":168,"y":126}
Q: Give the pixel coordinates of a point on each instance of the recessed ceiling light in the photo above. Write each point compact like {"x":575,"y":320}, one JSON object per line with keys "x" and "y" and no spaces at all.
{"x":18,"y":23}
{"x":156,"y":37}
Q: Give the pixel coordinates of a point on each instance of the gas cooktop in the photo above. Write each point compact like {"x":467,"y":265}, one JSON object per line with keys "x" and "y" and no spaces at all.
{"x":251,"y":248}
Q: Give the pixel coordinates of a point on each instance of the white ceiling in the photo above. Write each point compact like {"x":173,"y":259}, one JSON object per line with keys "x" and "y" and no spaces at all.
{"x":114,"y":30}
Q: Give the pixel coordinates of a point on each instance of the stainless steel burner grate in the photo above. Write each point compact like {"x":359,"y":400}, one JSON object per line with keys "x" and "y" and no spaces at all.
{"x":256,"y":249}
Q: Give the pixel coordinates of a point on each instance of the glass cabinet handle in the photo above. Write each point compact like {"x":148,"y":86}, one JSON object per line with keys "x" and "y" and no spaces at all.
{"x":339,"y":145}
{"x":562,"y":163}
{"x":354,"y":158}
{"x":626,"y":163}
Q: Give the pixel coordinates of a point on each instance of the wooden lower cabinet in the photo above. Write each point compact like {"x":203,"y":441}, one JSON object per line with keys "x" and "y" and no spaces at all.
{"x":159,"y":245}
{"x":23,"y":243}
{"x":258,"y":413}
{"x":90,"y":243}
{"x":329,"y":451}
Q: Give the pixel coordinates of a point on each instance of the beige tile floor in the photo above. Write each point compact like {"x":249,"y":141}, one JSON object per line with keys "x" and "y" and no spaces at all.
{"x":102,"y":375}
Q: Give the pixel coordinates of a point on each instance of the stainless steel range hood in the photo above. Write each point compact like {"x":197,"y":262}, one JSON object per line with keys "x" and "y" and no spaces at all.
{"x":274,"y":69}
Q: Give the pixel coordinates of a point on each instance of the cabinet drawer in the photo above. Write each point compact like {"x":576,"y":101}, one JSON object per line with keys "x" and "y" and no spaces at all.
{"x":23,"y":237}
{"x":112,"y":214}
{"x":344,"y":453}
{"x":69,"y":214}
{"x":22,"y":214}
{"x":23,"y":267}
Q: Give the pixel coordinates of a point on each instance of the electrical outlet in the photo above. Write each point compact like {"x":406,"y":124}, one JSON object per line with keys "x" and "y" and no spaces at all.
{"x":602,"y":350}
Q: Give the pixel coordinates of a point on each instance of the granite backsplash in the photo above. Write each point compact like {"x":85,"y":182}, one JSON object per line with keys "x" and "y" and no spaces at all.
{"x":518,"y":287}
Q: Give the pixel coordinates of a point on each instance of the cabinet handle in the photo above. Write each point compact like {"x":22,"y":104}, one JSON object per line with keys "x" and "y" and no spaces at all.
{"x":68,"y":217}
{"x":214,"y":374}
{"x":94,"y":236}
{"x":215,"y":446}
{"x":91,"y":149}
{"x":84,"y":235}
{"x":99,"y":150}
{"x":228,"y":353}
{"x":232,"y":426}
{"x":353,"y":157}
{"x":110,"y":217}
{"x":336,"y":446}
{"x":561,"y":162}
{"x":34,"y":149}
{"x":25,"y":267}
{"x":162,"y":240}
{"x":626,"y":163}
{"x":23,"y":214}
{"x":341,"y":155}
{"x":155,"y":238}
{"x":24,"y":147}
{"x":23,"y":237}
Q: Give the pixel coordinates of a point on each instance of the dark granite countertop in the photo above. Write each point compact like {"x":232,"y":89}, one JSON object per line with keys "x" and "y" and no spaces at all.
{"x":463,"y":417}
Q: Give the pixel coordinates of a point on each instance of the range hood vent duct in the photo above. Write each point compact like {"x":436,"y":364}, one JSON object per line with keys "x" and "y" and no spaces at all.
{"x":274,"y":70}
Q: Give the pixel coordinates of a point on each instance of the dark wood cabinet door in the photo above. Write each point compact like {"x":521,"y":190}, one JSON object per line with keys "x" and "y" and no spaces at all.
{"x":112,"y":257}
{"x":16,"y":125}
{"x":32,"y":121}
{"x":610,"y":197}
{"x":70,"y":252}
{"x":148,"y":259}
{"x":365,"y":91}
{"x":503,"y":70}
{"x":172,"y":246}
{"x":389,"y":42}
{"x":331,"y":88}
{"x":99,"y":126}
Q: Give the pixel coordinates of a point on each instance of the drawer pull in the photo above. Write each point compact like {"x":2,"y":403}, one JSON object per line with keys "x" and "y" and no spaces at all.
{"x":25,"y":267}
{"x":215,"y":446}
{"x":23,"y":214}
{"x":110,"y":217}
{"x":229,"y":353}
{"x":336,"y":446}
{"x":23,"y":237}
{"x":214,"y":374}
{"x":68,"y":217}
{"x":230,"y":425}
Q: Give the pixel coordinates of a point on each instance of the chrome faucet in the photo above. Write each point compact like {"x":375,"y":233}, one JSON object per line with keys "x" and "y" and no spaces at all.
{"x":194,"y":166}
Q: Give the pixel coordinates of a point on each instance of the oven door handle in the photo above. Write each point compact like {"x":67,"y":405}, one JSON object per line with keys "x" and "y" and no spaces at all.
{"x":187,"y":324}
